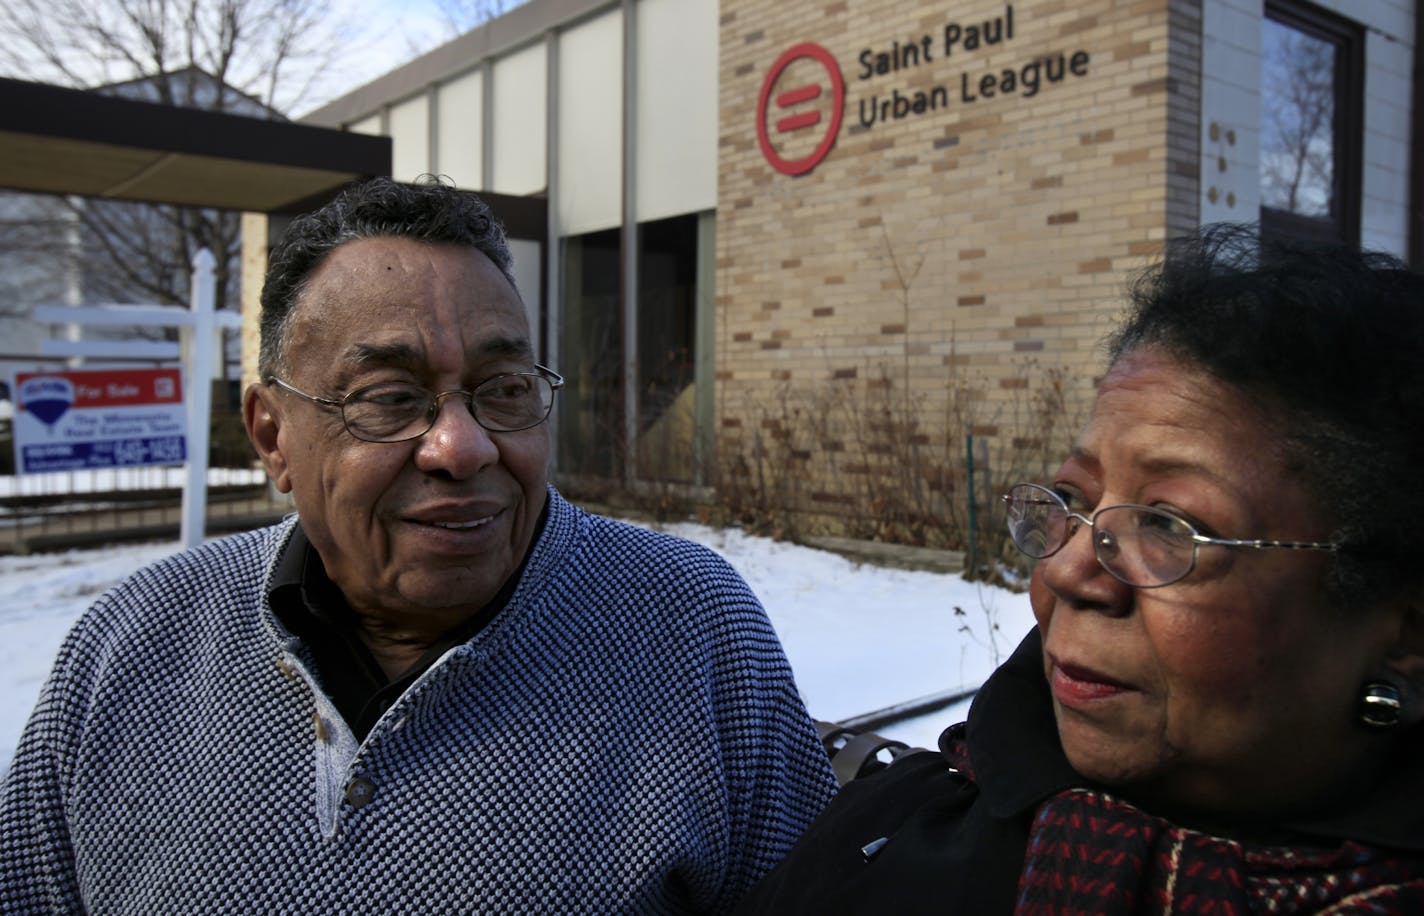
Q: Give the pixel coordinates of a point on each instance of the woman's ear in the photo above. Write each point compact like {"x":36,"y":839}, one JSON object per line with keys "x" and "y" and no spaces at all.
{"x":1406,"y":663}
{"x":264,"y":423}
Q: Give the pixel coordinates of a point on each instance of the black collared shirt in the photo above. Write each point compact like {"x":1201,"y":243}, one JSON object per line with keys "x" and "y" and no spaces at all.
{"x":313,"y":609}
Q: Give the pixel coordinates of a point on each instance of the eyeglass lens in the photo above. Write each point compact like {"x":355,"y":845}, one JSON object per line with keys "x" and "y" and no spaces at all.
{"x":1038,"y":521}
{"x":1140,"y":545}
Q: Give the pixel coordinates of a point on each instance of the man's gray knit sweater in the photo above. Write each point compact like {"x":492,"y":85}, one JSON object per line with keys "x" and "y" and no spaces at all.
{"x":624,"y":736}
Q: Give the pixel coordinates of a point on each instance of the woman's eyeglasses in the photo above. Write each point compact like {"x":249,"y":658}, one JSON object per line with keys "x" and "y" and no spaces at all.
{"x":1142,"y":546}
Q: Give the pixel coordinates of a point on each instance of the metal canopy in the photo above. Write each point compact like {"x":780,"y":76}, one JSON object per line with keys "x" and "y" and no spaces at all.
{"x":69,"y":141}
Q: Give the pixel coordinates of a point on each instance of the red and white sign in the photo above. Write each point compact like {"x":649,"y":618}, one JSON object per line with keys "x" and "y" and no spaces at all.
{"x":98,"y":418}
{"x":790,"y":104}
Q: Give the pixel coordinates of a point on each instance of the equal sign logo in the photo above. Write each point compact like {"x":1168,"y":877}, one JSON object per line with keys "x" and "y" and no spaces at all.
{"x":799,"y":109}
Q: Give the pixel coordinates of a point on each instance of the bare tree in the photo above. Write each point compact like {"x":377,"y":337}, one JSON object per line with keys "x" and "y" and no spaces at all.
{"x":463,"y":15}
{"x":1298,"y":101}
{"x":35,"y":268}
{"x":257,"y":58}
{"x":272,"y":52}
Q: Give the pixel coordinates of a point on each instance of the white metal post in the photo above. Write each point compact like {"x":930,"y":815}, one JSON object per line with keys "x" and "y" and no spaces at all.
{"x":198,"y":345}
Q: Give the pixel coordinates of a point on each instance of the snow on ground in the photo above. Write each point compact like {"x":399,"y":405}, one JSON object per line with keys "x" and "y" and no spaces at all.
{"x":859,"y":637}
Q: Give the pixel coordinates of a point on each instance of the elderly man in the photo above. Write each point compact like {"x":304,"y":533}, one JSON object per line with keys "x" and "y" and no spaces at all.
{"x":439,"y":687}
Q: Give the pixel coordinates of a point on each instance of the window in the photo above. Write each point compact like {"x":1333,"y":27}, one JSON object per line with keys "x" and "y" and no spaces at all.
{"x":670,"y":392}
{"x":591,"y":361}
{"x":667,"y":348}
{"x":1312,"y":119}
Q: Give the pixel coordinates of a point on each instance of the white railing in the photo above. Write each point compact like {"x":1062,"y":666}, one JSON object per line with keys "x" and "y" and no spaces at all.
{"x":111,"y":480}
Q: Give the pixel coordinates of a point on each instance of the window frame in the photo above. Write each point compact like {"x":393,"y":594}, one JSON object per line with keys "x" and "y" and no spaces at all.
{"x":1347,"y":128}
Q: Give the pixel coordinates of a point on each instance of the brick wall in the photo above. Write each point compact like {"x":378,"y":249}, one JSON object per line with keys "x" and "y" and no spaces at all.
{"x":963,"y":245}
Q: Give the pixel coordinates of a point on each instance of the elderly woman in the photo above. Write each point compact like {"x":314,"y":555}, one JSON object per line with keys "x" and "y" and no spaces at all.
{"x":1219,"y":709}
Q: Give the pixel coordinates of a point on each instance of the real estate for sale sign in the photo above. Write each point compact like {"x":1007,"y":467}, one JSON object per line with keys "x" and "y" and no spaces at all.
{"x":100,"y":418}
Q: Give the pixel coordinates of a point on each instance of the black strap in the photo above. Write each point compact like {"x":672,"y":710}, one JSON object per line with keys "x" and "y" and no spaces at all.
{"x":855,"y":754}
{"x":831,"y":734}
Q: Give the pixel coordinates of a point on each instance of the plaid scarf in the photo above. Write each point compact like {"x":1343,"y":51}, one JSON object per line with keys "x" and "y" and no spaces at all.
{"x":1091,"y":853}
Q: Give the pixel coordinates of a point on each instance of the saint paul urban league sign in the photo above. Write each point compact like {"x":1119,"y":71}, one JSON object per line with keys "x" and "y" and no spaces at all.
{"x":100,"y":418}
{"x":795,"y":84}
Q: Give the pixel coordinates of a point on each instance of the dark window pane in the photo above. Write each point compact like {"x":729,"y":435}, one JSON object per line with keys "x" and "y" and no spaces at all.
{"x":667,"y":323}
{"x":1312,"y":123}
{"x":593,"y":434}
{"x":591,"y":357}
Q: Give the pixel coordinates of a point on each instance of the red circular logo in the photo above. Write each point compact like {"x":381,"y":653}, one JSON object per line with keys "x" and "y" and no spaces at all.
{"x":794,"y":114}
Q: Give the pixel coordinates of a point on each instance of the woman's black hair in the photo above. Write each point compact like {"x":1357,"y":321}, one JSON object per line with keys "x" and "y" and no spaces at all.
{"x":1329,"y":340}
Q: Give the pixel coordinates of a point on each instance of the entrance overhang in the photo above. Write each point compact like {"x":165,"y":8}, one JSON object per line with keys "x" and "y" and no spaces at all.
{"x":68,"y":141}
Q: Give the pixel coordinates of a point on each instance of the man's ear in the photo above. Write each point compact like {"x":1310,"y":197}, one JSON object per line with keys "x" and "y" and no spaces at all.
{"x":264,"y":421}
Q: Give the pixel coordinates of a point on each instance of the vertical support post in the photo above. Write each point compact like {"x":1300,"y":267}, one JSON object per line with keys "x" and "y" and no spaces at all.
{"x":73,"y":274}
{"x":629,"y":244}
{"x":198,"y":347}
{"x":971,"y":563}
{"x":704,"y":423}
{"x":551,"y":309}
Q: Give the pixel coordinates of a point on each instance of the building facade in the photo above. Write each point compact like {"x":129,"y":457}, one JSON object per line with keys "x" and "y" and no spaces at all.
{"x":834,"y":257}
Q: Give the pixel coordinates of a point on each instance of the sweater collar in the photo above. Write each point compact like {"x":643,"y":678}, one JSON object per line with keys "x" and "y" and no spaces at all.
{"x":557,"y":531}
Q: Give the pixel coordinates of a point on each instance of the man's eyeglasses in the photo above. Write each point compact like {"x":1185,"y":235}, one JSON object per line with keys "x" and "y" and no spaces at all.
{"x":397,"y":411}
{"x":1142,"y":546}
